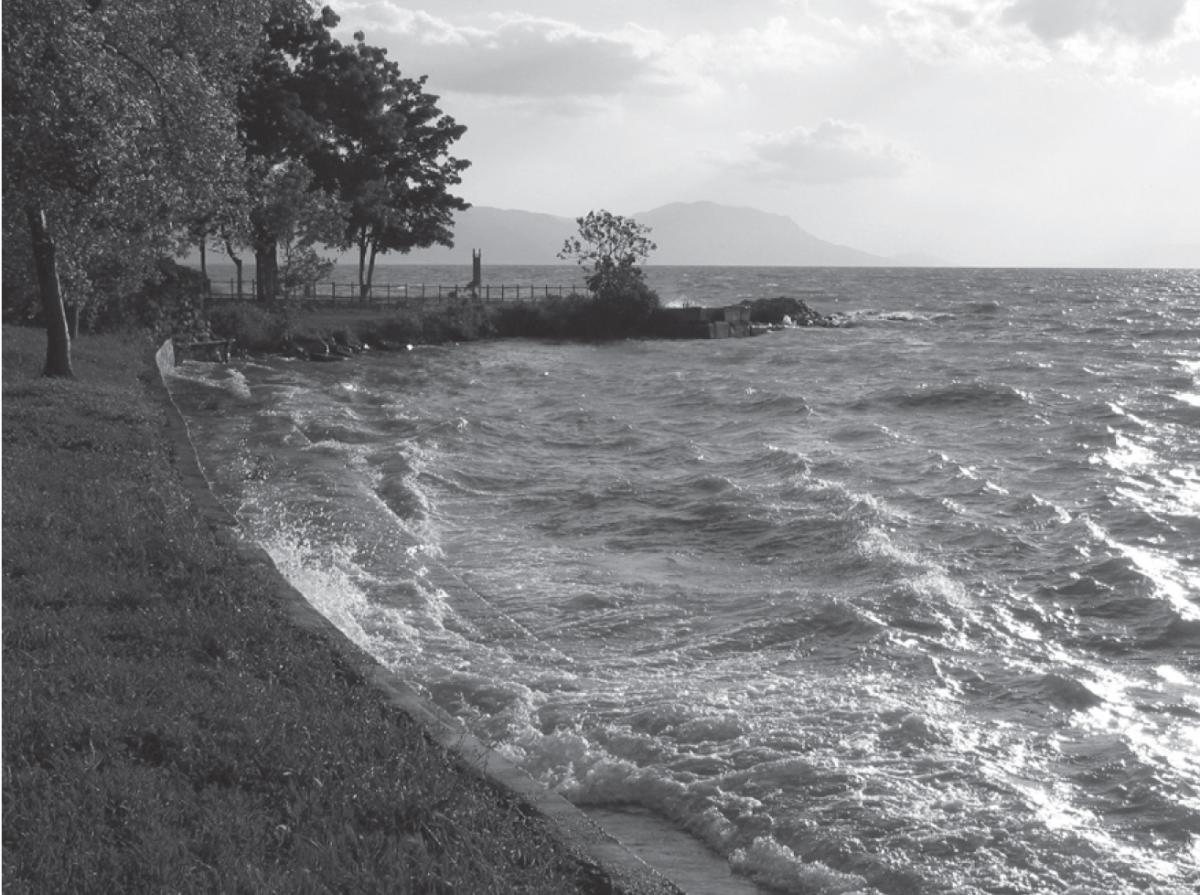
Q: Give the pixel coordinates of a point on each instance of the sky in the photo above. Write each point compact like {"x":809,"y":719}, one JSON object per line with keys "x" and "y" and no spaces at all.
{"x":983,"y":132}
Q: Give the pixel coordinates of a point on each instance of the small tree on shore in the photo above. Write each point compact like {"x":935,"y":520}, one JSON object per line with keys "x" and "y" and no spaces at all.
{"x":611,"y":249}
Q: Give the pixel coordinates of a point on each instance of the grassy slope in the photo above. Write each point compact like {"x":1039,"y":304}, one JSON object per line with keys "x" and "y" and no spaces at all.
{"x":164,"y":728}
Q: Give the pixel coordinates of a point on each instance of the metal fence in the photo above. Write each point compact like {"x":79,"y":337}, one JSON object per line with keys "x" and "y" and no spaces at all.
{"x":395,"y":294}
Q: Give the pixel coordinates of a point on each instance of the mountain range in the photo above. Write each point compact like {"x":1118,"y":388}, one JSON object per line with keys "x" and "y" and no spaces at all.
{"x":687,"y":233}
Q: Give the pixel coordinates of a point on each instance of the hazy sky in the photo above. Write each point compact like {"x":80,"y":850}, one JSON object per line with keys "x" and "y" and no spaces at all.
{"x":1007,"y":132}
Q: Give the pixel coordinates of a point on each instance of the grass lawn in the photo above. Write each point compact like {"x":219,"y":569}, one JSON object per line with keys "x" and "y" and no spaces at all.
{"x":166,"y":729}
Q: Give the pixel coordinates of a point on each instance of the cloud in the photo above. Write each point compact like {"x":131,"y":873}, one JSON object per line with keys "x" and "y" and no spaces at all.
{"x":832,"y":152}
{"x":779,"y":45}
{"x":1146,"y":21}
{"x":1035,"y":33}
{"x":519,"y":56}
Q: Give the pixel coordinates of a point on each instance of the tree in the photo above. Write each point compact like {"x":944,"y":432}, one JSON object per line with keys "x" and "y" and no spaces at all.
{"x":118,"y":122}
{"x":290,"y":214}
{"x":280,"y":128}
{"x":373,"y":139}
{"x":611,"y":249}
{"x":391,"y":163}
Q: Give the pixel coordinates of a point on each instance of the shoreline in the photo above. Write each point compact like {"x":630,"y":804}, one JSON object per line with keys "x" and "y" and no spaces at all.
{"x":177,"y":717}
{"x":626,"y":873}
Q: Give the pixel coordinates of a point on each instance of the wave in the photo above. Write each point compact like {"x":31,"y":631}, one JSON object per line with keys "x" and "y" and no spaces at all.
{"x":987,"y":307}
{"x":1179,"y":633}
{"x":1057,"y":690}
{"x":780,"y":461}
{"x":211,"y":376}
{"x":826,"y":618}
{"x":758,"y":401}
{"x":972,"y":394}
{"x":865,"y":315}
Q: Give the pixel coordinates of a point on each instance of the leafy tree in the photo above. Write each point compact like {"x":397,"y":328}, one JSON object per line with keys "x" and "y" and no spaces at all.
{"x":391,"y":164}
{"x":610,"y":249}
{"x":373,"y":139}
{"x":118,"y":123}
{"x":292,"y":215}
{"x":279,"y":126}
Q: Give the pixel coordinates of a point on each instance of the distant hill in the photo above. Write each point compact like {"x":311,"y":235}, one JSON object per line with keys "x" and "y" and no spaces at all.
{"x":708,"y":233}
{"x":686,"y":234}
{"x":503,"y":236}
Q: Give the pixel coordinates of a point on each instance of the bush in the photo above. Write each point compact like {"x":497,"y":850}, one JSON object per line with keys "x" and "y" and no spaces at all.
{"x":171,"y":301}
{"x":252,"y":326}
{"x":623,"y":307}
{"x":610,"y":249}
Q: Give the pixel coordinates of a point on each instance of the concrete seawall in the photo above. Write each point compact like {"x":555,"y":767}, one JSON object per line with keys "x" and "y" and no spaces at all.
{"x":702,"y":323}
{"x":612,"y":868}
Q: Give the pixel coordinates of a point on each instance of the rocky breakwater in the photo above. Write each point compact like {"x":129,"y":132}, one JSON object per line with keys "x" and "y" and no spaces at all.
{"x":784,"y":311}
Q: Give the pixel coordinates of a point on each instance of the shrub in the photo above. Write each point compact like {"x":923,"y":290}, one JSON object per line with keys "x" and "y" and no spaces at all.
{"x":252,"y":326}
{"x":610,"y":249}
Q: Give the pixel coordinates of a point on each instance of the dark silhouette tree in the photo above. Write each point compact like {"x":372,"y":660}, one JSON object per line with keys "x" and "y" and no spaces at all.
{"x":376,"y":144}
{"x":390,"y":161}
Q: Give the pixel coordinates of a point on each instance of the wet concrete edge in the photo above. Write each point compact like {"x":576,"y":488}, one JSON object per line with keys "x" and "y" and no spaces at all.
{"x":613,"y":869}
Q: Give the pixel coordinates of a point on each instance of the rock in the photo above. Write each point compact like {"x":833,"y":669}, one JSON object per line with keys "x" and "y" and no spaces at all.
{"x":308,"y":347}
{"x":785,"y":310}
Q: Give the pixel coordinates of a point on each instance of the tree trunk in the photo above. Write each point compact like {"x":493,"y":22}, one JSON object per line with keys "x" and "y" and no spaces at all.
{"x":58,"y":337}
{"x":371,"y":269}
{"x":237,"y":265}
{"x":204,"y":262}
{"x":266,"y":269}
{"x":364,"y":282}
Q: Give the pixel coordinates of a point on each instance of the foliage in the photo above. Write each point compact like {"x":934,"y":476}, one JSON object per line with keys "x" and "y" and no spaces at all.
{"x":458,"y":320}
{"x":390,"y":159}
{"x":292,"y":214}
{"x":170,"y":301}
{"x":118,"y":125}
{"x":376,"y":144}
{"x":166,"y":727}
{"x":253,"y":326}
{"x":611,"y":249}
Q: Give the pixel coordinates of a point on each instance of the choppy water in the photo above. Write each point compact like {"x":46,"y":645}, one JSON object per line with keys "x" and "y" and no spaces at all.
{"x":909,"y":606}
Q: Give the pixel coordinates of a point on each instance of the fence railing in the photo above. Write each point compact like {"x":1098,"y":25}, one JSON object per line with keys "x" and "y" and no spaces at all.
{"x":393,"y":294}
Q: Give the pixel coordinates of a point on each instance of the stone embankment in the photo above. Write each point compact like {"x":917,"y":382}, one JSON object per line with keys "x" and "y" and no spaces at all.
{"x":748,"y":318}
{"x":787,"y":311}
